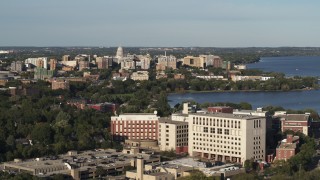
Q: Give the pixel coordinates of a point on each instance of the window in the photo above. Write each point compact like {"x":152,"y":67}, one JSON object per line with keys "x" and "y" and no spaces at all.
{"x":226,"y":131}
{"x":212,"y":130}
{"x":219,"y":131}
{"x":205,"y":129}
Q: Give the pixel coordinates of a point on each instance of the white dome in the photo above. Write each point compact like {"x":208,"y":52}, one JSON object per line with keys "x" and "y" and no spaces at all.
{"x":119,"y":52}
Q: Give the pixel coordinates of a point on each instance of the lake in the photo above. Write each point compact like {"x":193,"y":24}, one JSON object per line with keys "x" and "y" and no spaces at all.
{"x":291,"y":66}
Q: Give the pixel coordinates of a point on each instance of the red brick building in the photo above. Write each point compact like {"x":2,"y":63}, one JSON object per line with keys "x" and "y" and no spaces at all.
{"x":296,"y":122}
{"x":104,"y":107}
{"x":287,"y":148}
{"x":220,"y":109}
{"x":137,"y":126}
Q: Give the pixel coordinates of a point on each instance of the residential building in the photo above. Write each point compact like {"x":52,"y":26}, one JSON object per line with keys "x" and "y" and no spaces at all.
{"x":287,"y":148}
{"x":135,"y":126}
{"x":140,"y":76}
{"x":41,"y":62}
{"x":43,"y":73}
{"x":60,"y":84}
{"x":211,"y":60}
{"x":53,"y":64}
{"x":227,"y":137}
{"x":296,"y":122}
{"x":103,"y":62}
{"x":83,"y":65}
{"x":16,"y":66}
{"x":66,"y":58}
{"x":193,"y":61}
{"x":144,"y":61}
{"x":173,"y":135}
{"x":166,"y":62}
{"x":220,"y":109}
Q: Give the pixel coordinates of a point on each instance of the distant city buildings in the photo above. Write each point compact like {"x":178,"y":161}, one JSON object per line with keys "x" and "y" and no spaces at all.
{"x":166,"y":62}
{"x":16,"y":66}
{"x":103,"y":62}
{"x":140,"y":76}
{"x":60,"y":84}
{"x":42,"y":73}
{"x":83,"y":65}
{"x":193,"y":61}
{"x":40,"y":62}
{"x":53,"y":64}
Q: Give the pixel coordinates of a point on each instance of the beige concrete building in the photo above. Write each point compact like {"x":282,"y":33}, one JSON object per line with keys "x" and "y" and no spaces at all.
{"x":157,"y":171}
{"x":79,"y":165}
{"x":166,"y":62}
{"x":227,"y":137}
{"x":192,"y":61}
{"x":140,"y":75}
{"x":103,"y":62}
{"x":60,"y":84}
{"x":173,"y":135}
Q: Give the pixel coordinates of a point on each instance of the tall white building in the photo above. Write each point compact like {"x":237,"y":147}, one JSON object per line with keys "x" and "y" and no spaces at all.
{"x":43,"y":61}
{"x":227,"y":137}
{"x":119,"y":55}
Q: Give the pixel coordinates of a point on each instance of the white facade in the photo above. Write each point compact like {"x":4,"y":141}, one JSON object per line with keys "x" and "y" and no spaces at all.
{"x":227,"y":137}
{"x":35,"y":61}
{"x":140,"y":75}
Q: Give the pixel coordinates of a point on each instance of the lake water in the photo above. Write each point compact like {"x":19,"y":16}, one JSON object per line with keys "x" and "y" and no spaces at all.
{"x":291,"y":66}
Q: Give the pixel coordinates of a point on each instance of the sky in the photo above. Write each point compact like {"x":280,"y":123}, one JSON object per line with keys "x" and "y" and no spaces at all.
{"x":164,"y":23}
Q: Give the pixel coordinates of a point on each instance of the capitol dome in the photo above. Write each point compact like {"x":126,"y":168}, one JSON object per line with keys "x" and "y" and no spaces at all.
{"x":119,"y":52}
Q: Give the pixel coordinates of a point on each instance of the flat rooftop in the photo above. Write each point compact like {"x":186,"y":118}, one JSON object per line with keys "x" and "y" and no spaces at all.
{"x":169,"y":121}
{"x":227,"y":115}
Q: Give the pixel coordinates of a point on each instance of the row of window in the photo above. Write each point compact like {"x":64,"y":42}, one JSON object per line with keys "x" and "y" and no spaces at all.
{"x":216,"y":122}
{"x":217,"y":150}
{"x":222,"y":137}
{"x":219,"y":146}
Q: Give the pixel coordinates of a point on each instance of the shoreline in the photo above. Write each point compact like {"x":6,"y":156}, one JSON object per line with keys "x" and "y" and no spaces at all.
{"x":224,"y":91}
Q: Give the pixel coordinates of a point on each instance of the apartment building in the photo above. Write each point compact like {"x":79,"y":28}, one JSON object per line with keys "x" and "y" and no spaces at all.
{"x":173,"y":135}
{"x":166,"y":62}
{"x":227,"y":137}
{"x":193,"y":61}
{"x":134,"y":126}
{"x":140,"y":75}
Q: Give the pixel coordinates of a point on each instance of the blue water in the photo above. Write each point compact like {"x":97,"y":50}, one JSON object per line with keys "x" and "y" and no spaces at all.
{"x":296,"y":100}
{"x":290,"y":66}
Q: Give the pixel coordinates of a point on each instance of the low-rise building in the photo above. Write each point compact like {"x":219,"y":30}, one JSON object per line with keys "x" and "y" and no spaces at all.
{"x":140,"y":75}
{"x":79,"y":165}
{"x":220,"y":109}
{"x":287,"y":148}
{"x":157,"y":171}
{"x":296,"y":122}
{"x":60,"y":84}
{"x":104,"y":107}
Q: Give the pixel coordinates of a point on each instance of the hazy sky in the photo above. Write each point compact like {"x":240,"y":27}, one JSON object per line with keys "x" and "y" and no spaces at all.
{"x":215,"y":23}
